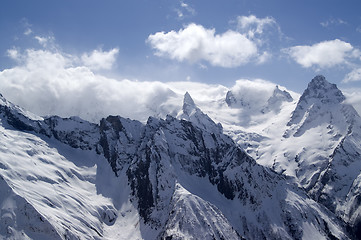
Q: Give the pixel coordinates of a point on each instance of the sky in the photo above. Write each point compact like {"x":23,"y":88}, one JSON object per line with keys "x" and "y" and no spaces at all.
{"x":84,"y":48}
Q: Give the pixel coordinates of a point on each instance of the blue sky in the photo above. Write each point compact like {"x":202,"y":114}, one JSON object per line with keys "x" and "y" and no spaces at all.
{"x":209,"y":41}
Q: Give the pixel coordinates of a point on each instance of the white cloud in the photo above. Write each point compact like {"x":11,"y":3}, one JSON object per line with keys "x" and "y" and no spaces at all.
{"x":99,"y":59}
{"x":185,"y":10}
{"x":353,"y":76}
{"x":13,"y":54}
{"x":27,"y":26}
{"x":255,"y":92}
{"x":45,"y":41}
{"x":28,"y":31}
{"x":323,"y":55}
{"x":333,"y":22}
{"x":188,"y":8}
{"x":252,"y":26}
{"x":52,"y":83}
{"x":49,"y":82}
{"x":353,"y":96}
{"x":195,"y":43}
{"x":264,"y":57}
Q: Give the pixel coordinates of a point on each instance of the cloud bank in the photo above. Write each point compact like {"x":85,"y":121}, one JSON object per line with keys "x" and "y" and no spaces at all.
{"x":50,"y":82}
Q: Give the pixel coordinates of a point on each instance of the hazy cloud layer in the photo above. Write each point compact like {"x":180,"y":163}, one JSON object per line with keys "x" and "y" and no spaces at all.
{"x":54,"y":83}
{"x":50,"y":82}
{"x":195,"y":43}
{"x":323,"y":55}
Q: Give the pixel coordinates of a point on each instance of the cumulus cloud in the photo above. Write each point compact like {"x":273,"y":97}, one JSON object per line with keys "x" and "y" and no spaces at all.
{"x":353,"y":76}
{"x":195,"y":43}
{"x":99,"y":59}
{"x":323,"y":55}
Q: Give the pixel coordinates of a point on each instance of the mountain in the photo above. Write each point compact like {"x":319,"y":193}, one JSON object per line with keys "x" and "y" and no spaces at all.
{"x":330,"y":166}
{"x":316,"y":141}
{"x":172,"y":178}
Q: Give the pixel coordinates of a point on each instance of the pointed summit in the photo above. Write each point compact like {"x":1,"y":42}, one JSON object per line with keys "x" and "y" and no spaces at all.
{"x":195,"y":115}
{"x":188,"y":104}
{"x":319,"y":98}
{"x":279,"y":96}
{"x":319,"y":88}
{"x":275,"y":102}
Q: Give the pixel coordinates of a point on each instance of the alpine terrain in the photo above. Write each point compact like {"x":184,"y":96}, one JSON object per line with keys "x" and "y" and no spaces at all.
{"x":284,"y":168}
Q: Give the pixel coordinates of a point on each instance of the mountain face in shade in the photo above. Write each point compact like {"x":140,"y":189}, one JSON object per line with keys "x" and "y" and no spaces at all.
{"x":173,"y":178}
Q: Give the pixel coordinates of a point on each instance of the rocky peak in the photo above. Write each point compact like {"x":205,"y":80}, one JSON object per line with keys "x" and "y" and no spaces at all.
{"x":230,"y":99}
{"x":279,"y":94}
{"x":188,"y":104}
{"x":195,"y":115}
{"x":319,"y":97}
{"x":319,"y":88}
{"x":274,"y":103}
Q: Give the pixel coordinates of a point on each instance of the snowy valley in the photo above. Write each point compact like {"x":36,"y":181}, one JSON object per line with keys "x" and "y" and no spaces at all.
{"x":279,"y":166}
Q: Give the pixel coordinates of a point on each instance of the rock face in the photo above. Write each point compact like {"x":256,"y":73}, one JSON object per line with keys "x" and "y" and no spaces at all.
{"x":181,"y":178}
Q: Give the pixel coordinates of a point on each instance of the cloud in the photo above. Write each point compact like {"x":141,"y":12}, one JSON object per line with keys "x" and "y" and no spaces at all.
{"x":99,"y":59}
{"x":253,"y":26}
{"x":45,"y":41}
{"x":353,"y":97}
{"x":54,"y":83}
{"x":185,"y":10}
{"x":323,"y":55}
{"x":333,"y":22}
{"x":25,"y":23}
{"x":50,"y":82}
{"x":253,"y":92}
{"x":195,"y":43}
{"x":353,"y":76}
{"x":13,"y":54}
{"x":27,"y":31}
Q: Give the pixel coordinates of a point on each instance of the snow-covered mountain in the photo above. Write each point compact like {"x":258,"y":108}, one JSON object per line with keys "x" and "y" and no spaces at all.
{"x":172,"y":178}
{"x":315,"y":140}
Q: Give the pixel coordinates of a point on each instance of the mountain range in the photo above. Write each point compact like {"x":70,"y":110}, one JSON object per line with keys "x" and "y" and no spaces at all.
{"x":285,"y":167}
